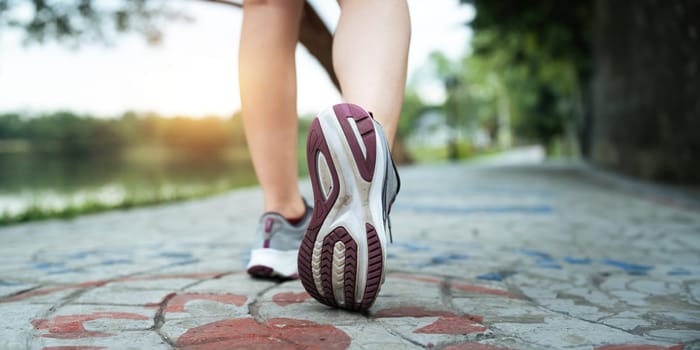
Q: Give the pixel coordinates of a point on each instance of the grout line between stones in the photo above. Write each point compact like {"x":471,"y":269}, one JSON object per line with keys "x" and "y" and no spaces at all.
{"x":584,"y":320}
{"x":254,"y":306}
{"x":62,"y":302}
{"x":446,"y":294}
{"x":159,"y":319}
{"x":399,"y":335}
{"x":188,"y":286}
{"x":19,"y":292}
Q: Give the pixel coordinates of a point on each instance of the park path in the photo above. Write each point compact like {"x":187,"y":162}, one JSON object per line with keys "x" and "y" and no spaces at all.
{"x":508,"y":253}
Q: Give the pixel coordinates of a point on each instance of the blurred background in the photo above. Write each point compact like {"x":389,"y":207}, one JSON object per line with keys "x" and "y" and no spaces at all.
{"x":121,"y":103}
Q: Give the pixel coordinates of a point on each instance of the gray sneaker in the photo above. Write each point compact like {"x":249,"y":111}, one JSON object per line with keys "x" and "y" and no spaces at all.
{"x":277,"y":243}
{"x":342,"y":258}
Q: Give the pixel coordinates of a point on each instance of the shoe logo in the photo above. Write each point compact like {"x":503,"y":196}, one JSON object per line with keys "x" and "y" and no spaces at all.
{"x":269,"y":222}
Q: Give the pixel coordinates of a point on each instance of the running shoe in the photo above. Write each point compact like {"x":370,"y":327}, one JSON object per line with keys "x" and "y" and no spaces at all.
{"x":276,"y":246}
{"x":342,"y":257}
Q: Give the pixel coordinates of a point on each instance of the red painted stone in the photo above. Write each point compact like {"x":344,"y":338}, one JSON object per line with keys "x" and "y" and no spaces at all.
{"x":71,"y":326}
{"x":72,"y":347}
{"x":639,"y":347}
{"x":484,"y":290}
{"x":452,"y":325}
{"x":277,"y":333}
{"x":426,"y":279}
{"x":287,"y":298}
{"x":419,"y":311}
{"x":177,"y":303}
{"x":463,"y":287}
{"x":473,"y":346}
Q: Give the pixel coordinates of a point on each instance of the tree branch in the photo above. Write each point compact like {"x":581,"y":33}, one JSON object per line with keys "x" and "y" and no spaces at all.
{"x":316,"y":37}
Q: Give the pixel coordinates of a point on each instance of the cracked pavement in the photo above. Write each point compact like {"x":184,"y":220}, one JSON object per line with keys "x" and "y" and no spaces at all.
{"x":492,"y":255}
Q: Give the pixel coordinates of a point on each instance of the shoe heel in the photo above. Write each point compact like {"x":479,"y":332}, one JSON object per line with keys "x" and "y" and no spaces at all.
{"x":336,"y":283}
{"x":364,"y":133}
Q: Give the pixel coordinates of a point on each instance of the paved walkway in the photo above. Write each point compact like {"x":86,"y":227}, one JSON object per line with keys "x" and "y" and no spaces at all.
{"x":487,"y":256}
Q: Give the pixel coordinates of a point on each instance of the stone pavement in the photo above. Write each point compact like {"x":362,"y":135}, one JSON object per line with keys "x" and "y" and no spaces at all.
{"x":491,"y":255}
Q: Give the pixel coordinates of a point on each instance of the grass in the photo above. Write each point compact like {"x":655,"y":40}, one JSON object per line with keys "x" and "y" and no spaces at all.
{"x":71,"y":209}
{"x":465,"y":152}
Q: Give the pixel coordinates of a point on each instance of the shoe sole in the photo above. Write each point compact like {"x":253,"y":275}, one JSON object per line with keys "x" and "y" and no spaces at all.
{"x":342,"y":257}
{"x":272,"y":263}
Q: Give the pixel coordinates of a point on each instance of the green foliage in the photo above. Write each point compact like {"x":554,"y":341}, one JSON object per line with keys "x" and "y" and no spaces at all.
{"x":77,"y":21}
{"x":413,"y":107}
{"x":10,"y":126}
{"x":539,"y":53}
{"x":72,"y":135}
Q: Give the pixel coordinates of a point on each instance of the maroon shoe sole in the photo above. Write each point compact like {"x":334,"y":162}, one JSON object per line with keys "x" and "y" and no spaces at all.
{"x":335,"y":264}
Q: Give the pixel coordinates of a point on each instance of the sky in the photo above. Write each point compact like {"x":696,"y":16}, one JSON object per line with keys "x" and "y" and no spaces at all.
{"x":194,"y":70}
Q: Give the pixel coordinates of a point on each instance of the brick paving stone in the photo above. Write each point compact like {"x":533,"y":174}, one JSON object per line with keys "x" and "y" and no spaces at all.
{"x":489,"y":255}
{"x":121,"y":296}
{"x":120,"y":340}
{"x":370,"y":336}
{"x":15,"y":324}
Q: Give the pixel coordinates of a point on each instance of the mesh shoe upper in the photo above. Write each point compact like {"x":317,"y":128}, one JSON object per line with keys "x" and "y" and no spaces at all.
{"x":275,"y":232}
{"x":392,"y":182}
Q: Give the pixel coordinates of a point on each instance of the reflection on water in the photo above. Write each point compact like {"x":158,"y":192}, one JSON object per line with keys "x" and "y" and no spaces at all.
{"x":55,"y":183}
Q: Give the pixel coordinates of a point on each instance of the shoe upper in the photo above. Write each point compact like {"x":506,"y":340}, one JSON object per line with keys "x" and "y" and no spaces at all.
{"x":392,"y":181}
{"x":275,"y":232}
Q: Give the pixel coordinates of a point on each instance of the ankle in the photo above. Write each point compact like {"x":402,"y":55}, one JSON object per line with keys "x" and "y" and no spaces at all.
{"x":290,"y":210}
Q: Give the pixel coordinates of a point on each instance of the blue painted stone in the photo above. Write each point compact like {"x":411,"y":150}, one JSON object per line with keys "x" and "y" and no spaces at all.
{"x":444,"y":259}
{"x":491,"y":276}
{"x":457,"y":256}
{"x":116,"y":261}
{"x":185,"y":262}
{"x":678,"y":271}
{"x":79,"y":255}
{"x":578,"y":261}
{"x":439,"y":259}
{"x":47,"y":266}
{"x":548,"y":265}
{"x":535,"y":253}
{"x":631,"y":268}
{"x":175,"y":255}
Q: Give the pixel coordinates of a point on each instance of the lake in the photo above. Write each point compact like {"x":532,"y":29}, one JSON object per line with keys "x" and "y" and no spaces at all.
{"x":55,"y":183}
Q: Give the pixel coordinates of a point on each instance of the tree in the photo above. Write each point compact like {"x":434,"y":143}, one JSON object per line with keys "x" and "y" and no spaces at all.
{"x":542,"y":51}
{"x":74,"y":22}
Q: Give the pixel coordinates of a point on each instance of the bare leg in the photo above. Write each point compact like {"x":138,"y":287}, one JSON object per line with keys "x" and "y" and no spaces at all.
{"x":268,"y":98}
{"x":370,"y":53}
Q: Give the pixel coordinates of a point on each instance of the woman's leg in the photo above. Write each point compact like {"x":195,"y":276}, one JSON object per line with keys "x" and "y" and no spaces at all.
{"x":268,"y":98}
{"x":370,"y":54}
{"x":353,"y":178}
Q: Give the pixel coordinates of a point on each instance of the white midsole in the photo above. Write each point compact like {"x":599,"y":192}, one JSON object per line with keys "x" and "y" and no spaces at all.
{"x":358,"y":202}
{"x":283,"y":262}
